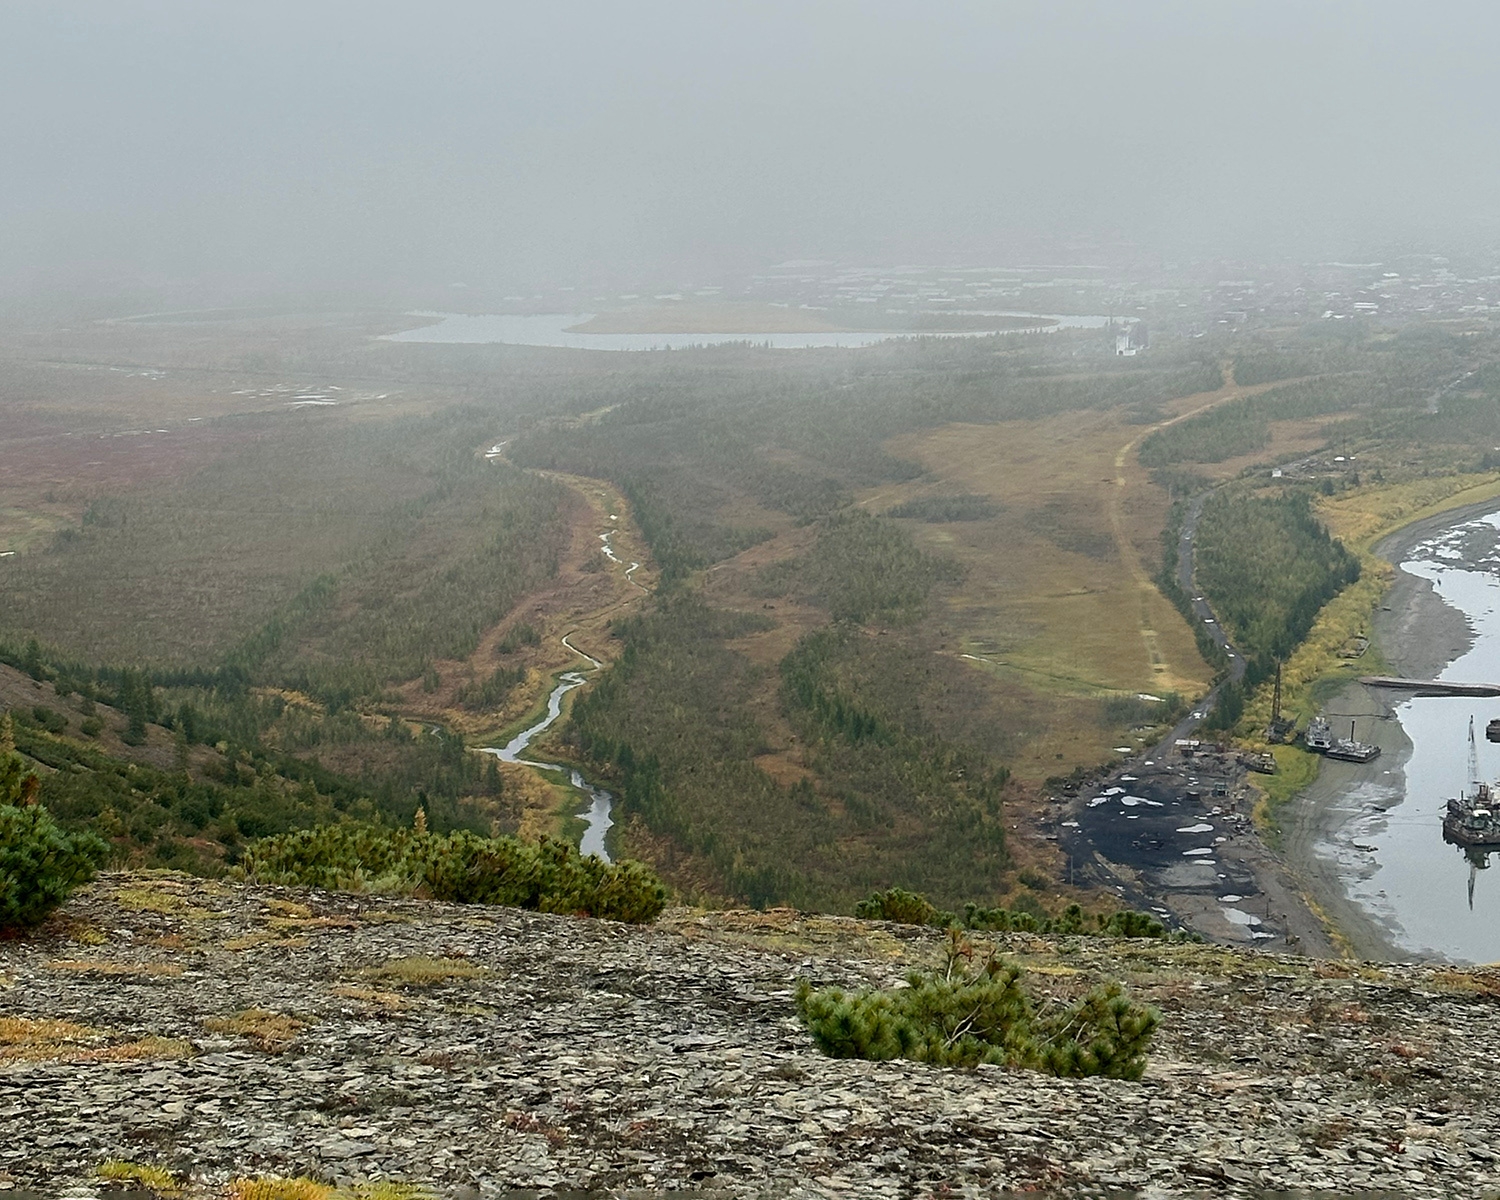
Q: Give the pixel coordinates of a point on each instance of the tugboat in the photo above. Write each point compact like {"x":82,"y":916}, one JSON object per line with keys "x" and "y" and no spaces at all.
{"x":1472,"y":820}
{"x":1319,"y":736}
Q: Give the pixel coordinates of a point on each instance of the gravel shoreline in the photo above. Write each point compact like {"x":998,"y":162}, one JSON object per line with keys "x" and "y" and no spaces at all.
{"x":1419,"y":633}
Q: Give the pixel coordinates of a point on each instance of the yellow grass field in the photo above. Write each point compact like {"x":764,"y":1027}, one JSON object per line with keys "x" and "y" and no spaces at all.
{"x":1057,"y":599}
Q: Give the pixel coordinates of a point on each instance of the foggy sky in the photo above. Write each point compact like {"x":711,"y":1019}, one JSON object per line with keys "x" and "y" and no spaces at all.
{"x":255,"y":144}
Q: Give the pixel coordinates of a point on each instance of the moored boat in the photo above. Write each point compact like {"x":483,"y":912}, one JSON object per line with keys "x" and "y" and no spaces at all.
{"x":1319,"y":735}
{"x":1471,"y":818}
{"x":1351,"y":751}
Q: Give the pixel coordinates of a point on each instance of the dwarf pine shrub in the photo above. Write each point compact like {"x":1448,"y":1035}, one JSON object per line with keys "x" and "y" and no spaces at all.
{"x":461,"y":867}
{"x":40,"y":864}
{"x":974,"y":1010}
{"x":903,"y":907}
{"x":913,"y":908}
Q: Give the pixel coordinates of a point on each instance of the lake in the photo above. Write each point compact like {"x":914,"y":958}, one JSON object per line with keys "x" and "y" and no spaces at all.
{"x":556,"y":329}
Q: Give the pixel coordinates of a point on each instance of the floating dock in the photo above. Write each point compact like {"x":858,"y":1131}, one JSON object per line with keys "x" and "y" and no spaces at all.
{"x":1430,"y":687}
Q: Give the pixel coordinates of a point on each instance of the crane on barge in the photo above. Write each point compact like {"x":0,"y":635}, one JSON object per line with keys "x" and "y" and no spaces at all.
{"x":1470,"y":818}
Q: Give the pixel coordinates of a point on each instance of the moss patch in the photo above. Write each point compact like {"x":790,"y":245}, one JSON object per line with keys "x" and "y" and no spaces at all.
{"x":422,"y":972}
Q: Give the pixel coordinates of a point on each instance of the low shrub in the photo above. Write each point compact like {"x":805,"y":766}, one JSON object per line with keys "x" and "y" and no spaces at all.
{"x":517,"y":636}
{"x":492,"y":691}
{"x":461,"y":867}
{"x":49,"y":719}
{"x":974,"y":1010}
{"x":903,"y":907}
{"x":40,"y":864}
{"x":913,"y":908}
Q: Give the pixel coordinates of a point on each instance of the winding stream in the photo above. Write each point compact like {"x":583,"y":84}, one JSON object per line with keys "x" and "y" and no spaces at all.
{"x":598,"y":819}
{"x":609,"y":553}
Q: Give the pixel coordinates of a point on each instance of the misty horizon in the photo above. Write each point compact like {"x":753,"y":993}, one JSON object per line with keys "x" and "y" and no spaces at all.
{"x":283,"y":149}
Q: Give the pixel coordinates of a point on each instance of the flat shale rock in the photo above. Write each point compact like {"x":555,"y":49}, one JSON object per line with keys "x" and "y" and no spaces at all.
{"x":225,"y":1030}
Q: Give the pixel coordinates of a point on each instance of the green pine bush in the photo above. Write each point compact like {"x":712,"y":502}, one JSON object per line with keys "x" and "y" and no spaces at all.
{"x":913,"y":908}
{"x":903,"y":907}
{"x":974,"y":1010}
{"x":460,"y":867}
{"x":40,"y":864}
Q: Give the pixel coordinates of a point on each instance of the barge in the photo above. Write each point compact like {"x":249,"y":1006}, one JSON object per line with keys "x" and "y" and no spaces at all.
{"x":1319,"y":738}
{"x":1470,"y":819}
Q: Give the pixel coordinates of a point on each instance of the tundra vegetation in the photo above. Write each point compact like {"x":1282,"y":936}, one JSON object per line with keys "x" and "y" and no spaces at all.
{"x":459,"y":867}
{"x":816,"y":702}
{"x":913,"y":908}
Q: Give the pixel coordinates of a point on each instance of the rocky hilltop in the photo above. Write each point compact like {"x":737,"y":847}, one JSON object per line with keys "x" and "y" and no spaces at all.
{"x":225,"y":1031}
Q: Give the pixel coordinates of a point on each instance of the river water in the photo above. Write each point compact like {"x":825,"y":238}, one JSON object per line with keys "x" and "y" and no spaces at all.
{"x":598,"y":817}
{"x":1435,"y":899}
{"x":557,"y":329}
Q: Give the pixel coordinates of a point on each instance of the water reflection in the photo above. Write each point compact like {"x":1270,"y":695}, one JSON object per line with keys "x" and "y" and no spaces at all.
{"x":1434,"y":899}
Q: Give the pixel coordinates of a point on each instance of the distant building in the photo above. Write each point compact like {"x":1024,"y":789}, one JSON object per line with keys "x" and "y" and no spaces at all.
{"x":1132,"y":340}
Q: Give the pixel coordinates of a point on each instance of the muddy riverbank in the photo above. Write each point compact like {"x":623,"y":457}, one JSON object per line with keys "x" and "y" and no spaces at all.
{"x":1418,"y":631}
{"x":1332,"y":831}
{"x":1319,"y":836}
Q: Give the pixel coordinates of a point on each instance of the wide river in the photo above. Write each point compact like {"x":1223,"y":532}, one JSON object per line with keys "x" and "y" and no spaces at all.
{"x":557,"y":329}
{"x":1432,"y":897}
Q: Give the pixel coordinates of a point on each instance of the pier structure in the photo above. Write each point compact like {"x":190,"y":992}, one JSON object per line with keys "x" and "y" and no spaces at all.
{"x":1430,"y":687}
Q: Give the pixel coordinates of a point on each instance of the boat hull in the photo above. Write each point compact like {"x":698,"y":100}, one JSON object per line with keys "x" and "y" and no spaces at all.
{"x":1458,"y":835}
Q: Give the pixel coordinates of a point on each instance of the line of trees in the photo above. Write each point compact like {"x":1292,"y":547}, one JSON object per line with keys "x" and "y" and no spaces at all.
{"x":1267,"y":565}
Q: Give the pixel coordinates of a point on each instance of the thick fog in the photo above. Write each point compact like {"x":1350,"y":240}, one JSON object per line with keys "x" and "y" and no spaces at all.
{"x":266,"y":145}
